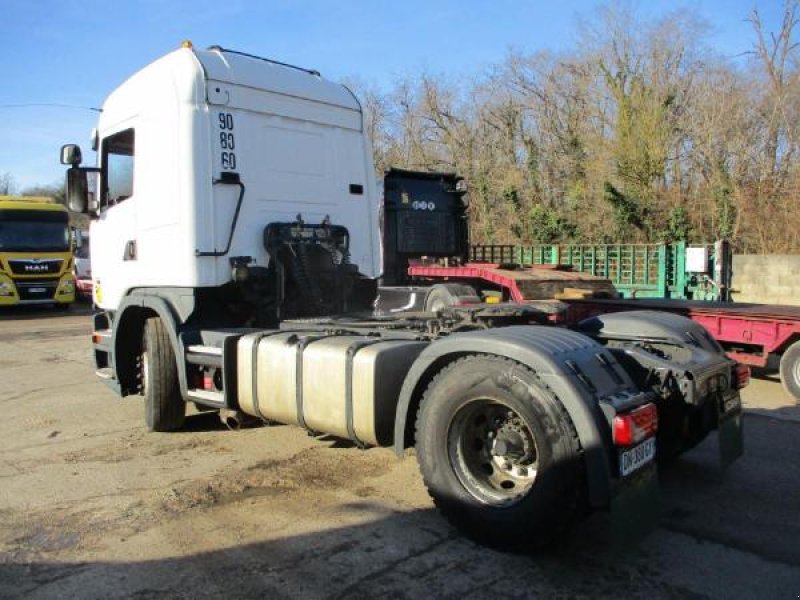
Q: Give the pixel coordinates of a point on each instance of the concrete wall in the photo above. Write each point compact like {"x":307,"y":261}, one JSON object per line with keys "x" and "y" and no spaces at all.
{"x":766,"y":278}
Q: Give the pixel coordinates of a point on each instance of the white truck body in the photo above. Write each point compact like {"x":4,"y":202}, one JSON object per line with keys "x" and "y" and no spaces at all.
{"x":206,"y":159}
{"x":294,"y":139}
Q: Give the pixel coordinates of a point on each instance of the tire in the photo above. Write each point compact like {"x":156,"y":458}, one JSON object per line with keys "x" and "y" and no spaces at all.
{"x":445,"y":295}
{"x":164,"y":408}
{"x":499,"y":454}
{"x":790,"y":371}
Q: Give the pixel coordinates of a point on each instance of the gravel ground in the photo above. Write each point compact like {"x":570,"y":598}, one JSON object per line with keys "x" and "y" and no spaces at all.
{"x":92,"y":506}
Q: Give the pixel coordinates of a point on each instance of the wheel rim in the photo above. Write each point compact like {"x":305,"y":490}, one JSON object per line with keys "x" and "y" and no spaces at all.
{"x":796,"y":373}
{"x":438,"y":305}
{"x":493,"y":452}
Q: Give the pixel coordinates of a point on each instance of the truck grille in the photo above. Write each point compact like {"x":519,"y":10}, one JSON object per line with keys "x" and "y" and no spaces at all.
{"x":33,"y":266}
{"x":41,"y":289}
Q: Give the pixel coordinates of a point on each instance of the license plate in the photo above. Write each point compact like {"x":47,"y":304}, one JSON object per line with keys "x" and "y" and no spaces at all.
{"x":636,"y":457}
{"x":731,"y":444}
{"x":37,"y":290}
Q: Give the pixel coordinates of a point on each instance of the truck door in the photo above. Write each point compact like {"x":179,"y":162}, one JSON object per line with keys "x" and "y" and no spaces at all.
{"x":115,"y":270}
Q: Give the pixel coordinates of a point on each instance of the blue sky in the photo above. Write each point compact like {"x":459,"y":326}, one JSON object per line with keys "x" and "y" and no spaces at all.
{"x":76,"y":51}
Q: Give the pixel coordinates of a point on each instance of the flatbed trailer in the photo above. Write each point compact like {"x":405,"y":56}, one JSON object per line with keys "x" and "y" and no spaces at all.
{"x":520,"y":285}
{"x":752,"y":334}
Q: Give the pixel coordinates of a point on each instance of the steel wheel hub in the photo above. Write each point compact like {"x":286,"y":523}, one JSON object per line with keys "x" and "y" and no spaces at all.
{"x":492,"y":451}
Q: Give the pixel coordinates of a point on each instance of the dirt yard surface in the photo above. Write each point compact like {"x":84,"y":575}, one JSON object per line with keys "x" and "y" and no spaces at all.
{"x":92,"y":506}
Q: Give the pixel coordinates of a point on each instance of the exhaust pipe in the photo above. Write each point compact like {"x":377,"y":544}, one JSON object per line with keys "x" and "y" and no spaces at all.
{"x":234,"y":419}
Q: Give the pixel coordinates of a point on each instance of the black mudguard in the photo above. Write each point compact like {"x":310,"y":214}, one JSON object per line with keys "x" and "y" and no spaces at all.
{"x":568,"y":362}
{"x":701,"y":360}
{"x":173,"y":305}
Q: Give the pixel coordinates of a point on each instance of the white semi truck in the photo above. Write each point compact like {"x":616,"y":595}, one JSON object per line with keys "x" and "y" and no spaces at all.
{"x":235,"y":259}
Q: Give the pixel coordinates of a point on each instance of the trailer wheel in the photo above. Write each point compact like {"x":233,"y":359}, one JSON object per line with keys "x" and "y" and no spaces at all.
{"x":164,"y":408}
{"x":444,"y":295}
{"x":790,"y":370}
{"x":498,"y":453}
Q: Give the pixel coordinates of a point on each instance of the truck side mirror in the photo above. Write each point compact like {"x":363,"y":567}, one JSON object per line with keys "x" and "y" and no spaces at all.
{"x":71,"y":155}
{"x":77,"y":189}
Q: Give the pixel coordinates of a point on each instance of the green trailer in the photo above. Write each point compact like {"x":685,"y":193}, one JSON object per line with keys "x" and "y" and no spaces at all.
{"x":676,"y":270}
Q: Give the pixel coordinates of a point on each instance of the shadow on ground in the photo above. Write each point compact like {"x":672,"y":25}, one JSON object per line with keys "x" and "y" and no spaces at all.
{"x":44,"y":311}
{"x":400,"y":555}
{"x":719,"y":532}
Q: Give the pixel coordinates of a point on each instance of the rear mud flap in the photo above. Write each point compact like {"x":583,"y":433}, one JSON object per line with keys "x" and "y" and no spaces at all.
{"x":636,"y":508}
{"x":731,"y":438}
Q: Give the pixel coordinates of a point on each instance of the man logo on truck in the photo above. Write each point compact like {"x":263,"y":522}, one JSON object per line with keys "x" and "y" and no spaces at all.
{"x":36,"y":267}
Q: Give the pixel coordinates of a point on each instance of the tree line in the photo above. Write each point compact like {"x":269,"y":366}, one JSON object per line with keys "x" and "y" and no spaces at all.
{"x":8,"y":187}
{"x":641,"y":133}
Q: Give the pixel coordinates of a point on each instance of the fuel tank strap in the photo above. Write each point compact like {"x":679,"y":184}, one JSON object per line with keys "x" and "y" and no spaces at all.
{"x":254,"y":367}
{"x":348,"y":386}
{"x":301,"y":346}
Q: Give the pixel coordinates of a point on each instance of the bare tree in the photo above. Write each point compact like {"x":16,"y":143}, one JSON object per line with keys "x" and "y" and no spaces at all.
{"x":640,"y":133}
{"x":7,"y":184}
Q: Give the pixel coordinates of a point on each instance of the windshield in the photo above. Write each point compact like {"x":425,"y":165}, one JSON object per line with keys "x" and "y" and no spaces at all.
{"x":35,"y":236}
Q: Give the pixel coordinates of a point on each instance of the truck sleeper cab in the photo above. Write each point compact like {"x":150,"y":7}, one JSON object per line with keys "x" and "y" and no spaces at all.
{"x":236,"y":256}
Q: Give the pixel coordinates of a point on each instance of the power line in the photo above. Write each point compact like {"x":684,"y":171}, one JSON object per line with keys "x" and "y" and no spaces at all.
{"x":51,"y":105}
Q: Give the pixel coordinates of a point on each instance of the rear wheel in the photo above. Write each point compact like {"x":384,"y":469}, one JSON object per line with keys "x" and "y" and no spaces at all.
{"x":164,"y":408}
{"x":790,"y":370}
{"x":498,"y":453}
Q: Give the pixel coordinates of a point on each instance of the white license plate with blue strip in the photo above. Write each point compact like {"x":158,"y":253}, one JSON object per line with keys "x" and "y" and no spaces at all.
{"x":638,"y":456}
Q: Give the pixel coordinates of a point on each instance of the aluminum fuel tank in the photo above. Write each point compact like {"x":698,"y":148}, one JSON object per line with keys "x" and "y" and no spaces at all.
{"x":344,"y":385}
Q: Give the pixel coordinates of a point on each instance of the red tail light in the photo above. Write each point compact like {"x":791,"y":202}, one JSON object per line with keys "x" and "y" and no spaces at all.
{"x":208,"y":381}
{"x":636,"y":425}
{"x":741,"y":376}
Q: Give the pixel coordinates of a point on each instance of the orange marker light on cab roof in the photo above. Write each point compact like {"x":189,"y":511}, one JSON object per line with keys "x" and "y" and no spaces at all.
{"x":187,"y":44}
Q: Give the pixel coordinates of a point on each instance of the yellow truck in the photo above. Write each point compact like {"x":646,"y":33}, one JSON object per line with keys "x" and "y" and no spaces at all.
{"x":35,"y":252}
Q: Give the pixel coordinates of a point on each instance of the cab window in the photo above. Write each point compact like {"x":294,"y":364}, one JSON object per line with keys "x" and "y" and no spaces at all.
{"x":118,"y":164}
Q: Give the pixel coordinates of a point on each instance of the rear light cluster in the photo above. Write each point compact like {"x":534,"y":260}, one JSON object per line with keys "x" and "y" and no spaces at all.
{"x":741,"y":376}
{"x":637,"y":425}
{"x":208,"y":381}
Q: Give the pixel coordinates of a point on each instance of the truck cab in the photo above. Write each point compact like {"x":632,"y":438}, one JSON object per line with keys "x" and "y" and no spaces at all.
{"x":35,"y":253}
{"x":202,"y":148}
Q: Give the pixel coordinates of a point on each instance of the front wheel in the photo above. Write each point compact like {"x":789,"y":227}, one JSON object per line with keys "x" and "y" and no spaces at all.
{"x":164,"y":408}
{"x":498,"y":453}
